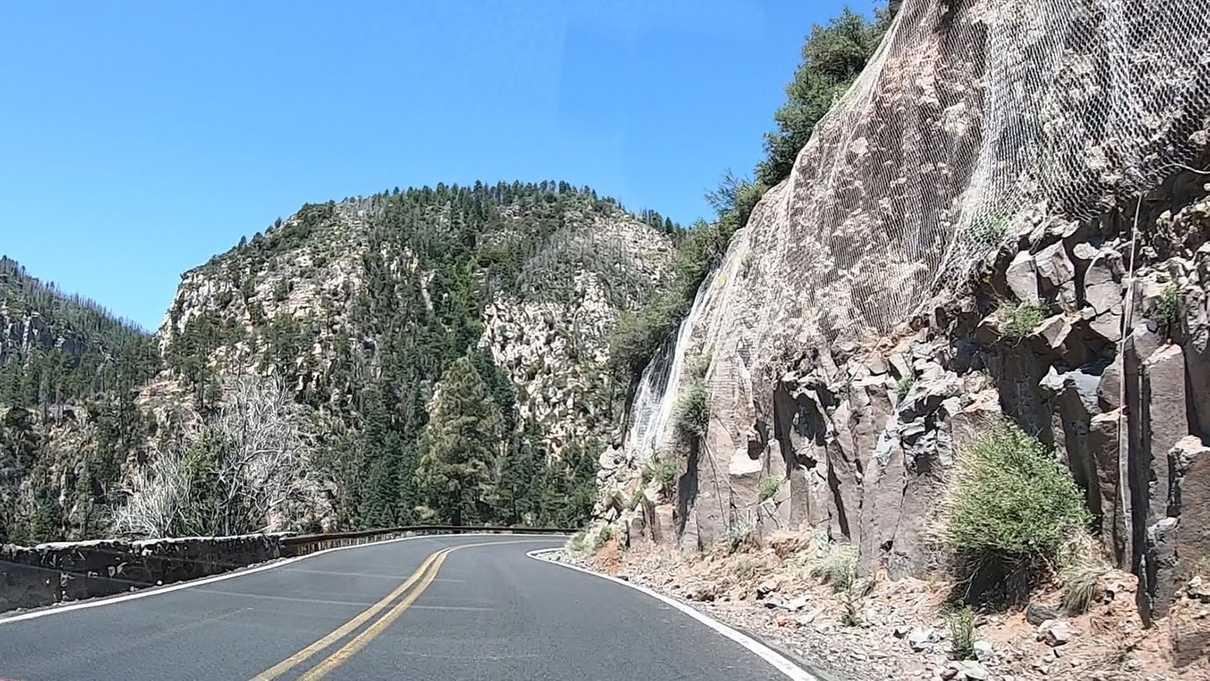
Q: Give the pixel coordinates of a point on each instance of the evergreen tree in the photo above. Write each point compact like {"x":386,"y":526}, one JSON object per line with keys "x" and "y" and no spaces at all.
{"x":461,"y":446}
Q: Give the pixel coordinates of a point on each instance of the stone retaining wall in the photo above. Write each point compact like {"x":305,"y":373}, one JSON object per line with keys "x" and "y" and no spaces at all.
{"x":36,"y":576}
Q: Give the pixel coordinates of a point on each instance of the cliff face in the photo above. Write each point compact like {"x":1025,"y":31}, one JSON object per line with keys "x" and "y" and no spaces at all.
{"x":360,"y":305}
{"x":357,"y":307}
{"x":862,"y":327}
{"x":293,"y":301}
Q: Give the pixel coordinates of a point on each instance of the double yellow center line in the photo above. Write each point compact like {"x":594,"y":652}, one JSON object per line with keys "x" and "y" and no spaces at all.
{"x":421,"y":579}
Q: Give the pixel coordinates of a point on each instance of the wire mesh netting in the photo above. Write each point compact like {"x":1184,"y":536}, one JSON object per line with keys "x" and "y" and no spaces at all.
{"x":974,"y":121}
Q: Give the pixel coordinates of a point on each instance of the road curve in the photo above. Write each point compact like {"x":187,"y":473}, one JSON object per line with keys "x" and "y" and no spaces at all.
{"x":426,"y":608}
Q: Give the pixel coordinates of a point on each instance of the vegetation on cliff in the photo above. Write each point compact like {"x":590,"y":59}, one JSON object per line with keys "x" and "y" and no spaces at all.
{"x":368,"y":317}
{"x":832,"y":58}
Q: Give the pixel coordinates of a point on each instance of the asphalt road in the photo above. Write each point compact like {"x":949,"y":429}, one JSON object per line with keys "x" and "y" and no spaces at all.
{"x":402,"y":610}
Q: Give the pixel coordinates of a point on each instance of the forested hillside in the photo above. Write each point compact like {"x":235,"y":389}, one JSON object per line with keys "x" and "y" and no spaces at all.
{"x":425,"y":354}
{"x":69,"y":371}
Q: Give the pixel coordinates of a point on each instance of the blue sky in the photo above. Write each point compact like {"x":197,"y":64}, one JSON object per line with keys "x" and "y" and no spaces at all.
{"x":137,"y":139}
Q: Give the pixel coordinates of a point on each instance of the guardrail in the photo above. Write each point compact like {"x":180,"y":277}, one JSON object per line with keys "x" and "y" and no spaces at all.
{"x":301,"y":545}
{"x":41,"y":575}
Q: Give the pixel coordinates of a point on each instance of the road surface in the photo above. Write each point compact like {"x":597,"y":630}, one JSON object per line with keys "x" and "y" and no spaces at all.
{"x":428,"y":608}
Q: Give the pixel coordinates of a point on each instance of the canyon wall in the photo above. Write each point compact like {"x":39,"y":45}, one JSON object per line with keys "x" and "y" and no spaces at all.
{"x":995,"y":220}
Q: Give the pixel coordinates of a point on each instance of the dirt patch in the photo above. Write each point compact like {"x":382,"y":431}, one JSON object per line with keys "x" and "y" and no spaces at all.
{"x":899,"y":630}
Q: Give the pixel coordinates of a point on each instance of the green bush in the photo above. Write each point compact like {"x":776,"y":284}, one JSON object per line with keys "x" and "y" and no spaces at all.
{"x":962,"y":633}
{"x":578,"y":542}
{"x":665,"y":474}
{"x":1009,"y":502}
{"x":693,"y":410}
{"x":636,"y":498}
{"x":768,"y":488}
{"x":904,"y":385}
{"x":1170,"y":305}
{"x":639,"y":334}
{"x":988,"y":230}
{"x":1019,"y":320}
{"x":837,"y":568}
{"x":603,"y":536}
{"x":739,"y":535}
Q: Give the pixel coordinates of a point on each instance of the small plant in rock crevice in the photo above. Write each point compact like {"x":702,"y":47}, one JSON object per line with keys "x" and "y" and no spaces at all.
{"x":904,"y":385}
{"x":961,"y":625}
{"x":636,"y":499}
{"x":739,"y":535}
{"x":603,"y":536}
{"x":664,"y":473}
{"x":1019,"y":320}
{"x":1081,"y":570}
{"x":693,"y":410}
{"x":767,"y":489}
{"x":837,"y":568}
{"x":988,"y":230}
{"x":1169,"y":308}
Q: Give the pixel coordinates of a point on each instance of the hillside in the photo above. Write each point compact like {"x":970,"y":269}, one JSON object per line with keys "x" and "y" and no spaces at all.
{"x":353,"y":312}
{"x":68,"y":375}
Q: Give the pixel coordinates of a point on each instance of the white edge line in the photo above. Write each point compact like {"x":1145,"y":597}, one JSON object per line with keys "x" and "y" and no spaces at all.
{"x":779,"y":661}
{"x":59,"y":608}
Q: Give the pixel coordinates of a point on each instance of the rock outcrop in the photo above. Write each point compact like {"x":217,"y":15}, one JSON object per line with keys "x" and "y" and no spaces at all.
{"x":889,"y":299}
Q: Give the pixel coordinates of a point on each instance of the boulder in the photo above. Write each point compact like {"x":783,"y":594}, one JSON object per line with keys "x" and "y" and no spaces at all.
{"x":1057,"y":275}
{"x":1055,"y":633}
{"x":1102,"y":290}
{"x":1022,"y":278}
{"x":924,"y":638}
{"x":1037,"y":613}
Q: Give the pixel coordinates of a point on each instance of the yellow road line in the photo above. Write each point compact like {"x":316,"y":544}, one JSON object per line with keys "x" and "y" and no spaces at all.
{"x":374,"y":630}
{"x":361,"y":640}
{"x":348,"y":627}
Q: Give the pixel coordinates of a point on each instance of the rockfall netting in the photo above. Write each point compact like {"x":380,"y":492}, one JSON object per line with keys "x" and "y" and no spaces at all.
{"x":975,"y":121}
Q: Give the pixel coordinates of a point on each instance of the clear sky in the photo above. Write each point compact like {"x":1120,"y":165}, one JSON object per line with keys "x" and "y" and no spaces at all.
{"x":137,"y":139}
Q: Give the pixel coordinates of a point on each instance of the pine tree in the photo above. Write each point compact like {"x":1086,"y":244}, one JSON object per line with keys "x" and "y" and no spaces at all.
{"x":461,"y":444}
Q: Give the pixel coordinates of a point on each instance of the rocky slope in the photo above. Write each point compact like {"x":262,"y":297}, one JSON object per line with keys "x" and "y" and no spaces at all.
{"x":357,"y":307}
{"x":919,"y":275}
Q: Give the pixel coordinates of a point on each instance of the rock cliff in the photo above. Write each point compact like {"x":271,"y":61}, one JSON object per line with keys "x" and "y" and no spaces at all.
{"x":982,"y":226}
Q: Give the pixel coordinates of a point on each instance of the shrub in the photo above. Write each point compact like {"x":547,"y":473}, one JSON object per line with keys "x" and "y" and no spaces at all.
{"x":851,"y":598}
{"x":837,"y":568}
{"x":988,"y":230}
{"x":1080,"y":571}
{"x":638,"y":335}
{"x":636,"y":498}
{"x":904,"y":385}
{"x":602,"y":538}
{"x":664,"y":473}
{"x":578,"y":542}
{"x":1009,"y":503}
{"x":962,"y":633}
{"x":767,"y":489}
{"x":1019,"y":320}
{"x":1169,"y":305}
{"x":739,"y":535}
{"x":693,"y":410}
{"x":745,"y":569}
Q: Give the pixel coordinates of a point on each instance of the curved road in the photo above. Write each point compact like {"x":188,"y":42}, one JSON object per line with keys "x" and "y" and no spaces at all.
{"x":427,"y":608}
